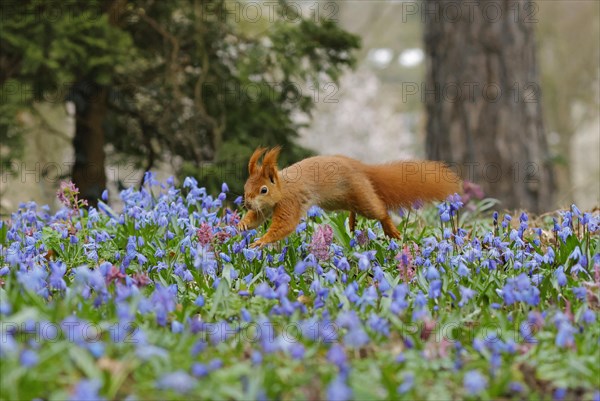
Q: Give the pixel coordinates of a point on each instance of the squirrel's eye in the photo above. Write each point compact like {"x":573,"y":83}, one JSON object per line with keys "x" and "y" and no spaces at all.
{"x":264,"y":189}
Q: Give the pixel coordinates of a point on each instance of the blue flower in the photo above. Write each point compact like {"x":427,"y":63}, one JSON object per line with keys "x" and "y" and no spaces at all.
{"x":199,"y":370}
{"x":297,"y":351}
{"x":435,"y":289}
{"x":462,"y":270}
{"x":87,"y":390}
{"x":249,"y":254}
{"x":588,"y":316}
{"x":28,"y":358}
{"x":564,"y":337}
{"x":561,"y":278}
{"x":474,"y":382}
{"x":178,"y":381}
{"x":432,"y":274}
{"x":315,"y":211}
{"x":58,"y":270}
{"x":164,"y":301}
{"x":338,"y":390}
{"x":337,"y":356}
{"x":369,"y":296}
{"x":560,"y":393}
{"x":256,"y":358}
{"x":378,"y":324}
{"x":407,"y":383}
{"x":579,"y":292}
{"x":176,"y":327}
{"x":466,"y":295}
{"x":265,"y":291}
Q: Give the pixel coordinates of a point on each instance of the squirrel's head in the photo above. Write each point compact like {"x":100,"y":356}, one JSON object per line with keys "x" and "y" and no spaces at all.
{"x":262,"y":191}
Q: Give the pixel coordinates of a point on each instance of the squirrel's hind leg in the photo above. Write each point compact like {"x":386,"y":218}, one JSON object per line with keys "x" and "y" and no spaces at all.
{"x":389,"y":228}
{"x":372,"y":207}
{"x":352,"y":222}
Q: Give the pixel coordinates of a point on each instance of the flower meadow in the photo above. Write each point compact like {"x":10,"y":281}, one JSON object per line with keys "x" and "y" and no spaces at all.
{"x":166,"y":300}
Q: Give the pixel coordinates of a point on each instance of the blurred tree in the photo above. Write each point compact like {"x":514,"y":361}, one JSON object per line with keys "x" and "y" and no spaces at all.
{"x":483,"y":98}
{"x":205,"y":81}
{"x":52,"y":52}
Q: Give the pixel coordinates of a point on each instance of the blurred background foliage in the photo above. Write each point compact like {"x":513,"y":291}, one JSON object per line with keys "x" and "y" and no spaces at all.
{"x":186,"y":78}
{"x":192,"y":87}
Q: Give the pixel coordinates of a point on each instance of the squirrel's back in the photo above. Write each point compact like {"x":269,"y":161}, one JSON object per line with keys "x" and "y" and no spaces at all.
{"x":404,"y":183}
{"x":397,"y":184}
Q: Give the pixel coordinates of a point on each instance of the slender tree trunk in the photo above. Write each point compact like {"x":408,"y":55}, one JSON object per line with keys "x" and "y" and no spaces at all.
{"x":482,"y":97}
{"x":88,"y":171}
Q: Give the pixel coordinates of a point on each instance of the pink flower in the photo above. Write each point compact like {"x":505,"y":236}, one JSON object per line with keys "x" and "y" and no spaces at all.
{"x":406,"y":266}
{"x":141,"y":279}
{"x":114,"y":274}
{"x":471,"y":191}
{"x":66,"y":193}
{"x":321,"y":240}
{"x":205,"y":234}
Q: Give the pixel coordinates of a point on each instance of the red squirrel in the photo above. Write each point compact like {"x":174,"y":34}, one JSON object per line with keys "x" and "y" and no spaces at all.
{"x":337,"y":183}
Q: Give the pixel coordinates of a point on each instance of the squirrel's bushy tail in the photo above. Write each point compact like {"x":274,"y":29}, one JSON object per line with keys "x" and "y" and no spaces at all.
{"x":405,"y":183}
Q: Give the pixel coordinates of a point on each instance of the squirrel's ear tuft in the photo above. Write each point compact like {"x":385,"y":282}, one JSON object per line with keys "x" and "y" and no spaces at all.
{"x":254,"y":159}
{"x":270,"y":163}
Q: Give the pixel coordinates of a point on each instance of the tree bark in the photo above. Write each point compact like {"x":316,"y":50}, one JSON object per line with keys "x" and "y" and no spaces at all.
{"x":88,"y":171}
{"x":483,"y":101}
{"x":91,"y":108}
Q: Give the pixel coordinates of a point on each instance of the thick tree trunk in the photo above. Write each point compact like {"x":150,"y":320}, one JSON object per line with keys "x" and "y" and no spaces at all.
{"x":91,"y":108}
{"x":483,"y":100}
{"x":88,"y":171}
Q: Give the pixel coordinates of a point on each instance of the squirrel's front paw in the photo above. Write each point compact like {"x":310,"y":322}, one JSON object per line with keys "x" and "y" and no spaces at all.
{"x":241,"y":226}
{"x":259,"y":243}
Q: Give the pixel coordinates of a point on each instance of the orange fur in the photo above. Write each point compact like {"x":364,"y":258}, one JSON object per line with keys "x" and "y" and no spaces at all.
{"x":338,"y":183}
{"x":254,"y":159}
